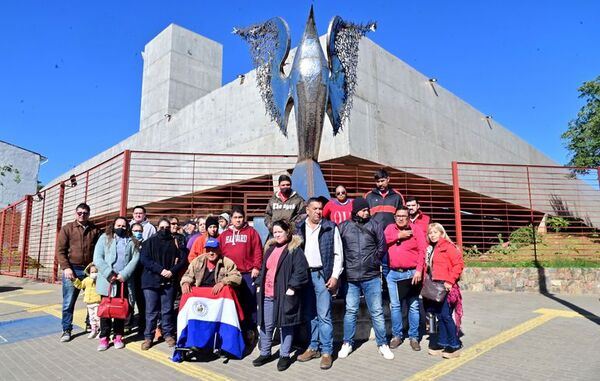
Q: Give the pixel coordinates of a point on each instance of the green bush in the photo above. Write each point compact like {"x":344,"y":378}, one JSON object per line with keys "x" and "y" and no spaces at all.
{"x":557,"y":223}
{"x":524,"y":236}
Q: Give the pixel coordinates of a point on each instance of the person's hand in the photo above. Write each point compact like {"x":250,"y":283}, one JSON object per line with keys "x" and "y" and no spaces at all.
{"x":290,"y":292}
{"x":403,"y":234}
{"x":332,"y":285}
{"x":112,"y":277}
{"x":217,"y":288}
{"x":166,"y":273}
{"x":69,"y":274}
{"x":416,"y":278}
{"x":120,"y":278}
{"x":447,"y":286}
{"x":186,"y":288}
{"x":254,"y":273}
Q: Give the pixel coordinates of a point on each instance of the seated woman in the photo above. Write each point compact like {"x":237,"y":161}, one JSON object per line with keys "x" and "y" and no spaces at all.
{"x":211,"y":269}
{"x":283,"y":276}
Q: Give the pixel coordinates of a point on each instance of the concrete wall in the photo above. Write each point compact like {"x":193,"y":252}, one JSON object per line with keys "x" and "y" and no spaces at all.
{"x":28,"y":165}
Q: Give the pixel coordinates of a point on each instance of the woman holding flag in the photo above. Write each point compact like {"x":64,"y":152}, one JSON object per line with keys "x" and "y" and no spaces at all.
{"x":282,"y":278}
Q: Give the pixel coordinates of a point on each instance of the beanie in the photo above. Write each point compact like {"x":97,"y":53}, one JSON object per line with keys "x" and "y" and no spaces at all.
{"x":212,"y":220}
{"x":359,"y":204}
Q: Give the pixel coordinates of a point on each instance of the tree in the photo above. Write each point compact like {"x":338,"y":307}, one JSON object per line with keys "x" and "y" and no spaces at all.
{"x":582,"y":138}
{"x":9,"y":169}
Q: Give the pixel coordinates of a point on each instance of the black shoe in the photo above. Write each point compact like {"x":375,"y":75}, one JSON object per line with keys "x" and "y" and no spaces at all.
{"x":283,"y":363}
{"x":66,"y":336}
{"x":261,"y":360}
{"x":435,"y":350}
{"x":450,"y":352}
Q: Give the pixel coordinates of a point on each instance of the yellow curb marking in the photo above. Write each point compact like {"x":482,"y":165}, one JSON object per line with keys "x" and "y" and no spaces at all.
{"x":19,"y":293}
{"x":79,"y":319}
{"x":444,"y":367}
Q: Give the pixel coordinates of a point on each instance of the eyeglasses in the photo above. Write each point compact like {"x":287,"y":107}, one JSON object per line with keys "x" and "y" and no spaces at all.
{"x":83,"y":213}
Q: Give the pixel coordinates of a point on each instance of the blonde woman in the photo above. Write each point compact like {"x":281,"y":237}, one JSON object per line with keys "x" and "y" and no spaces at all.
{"x":445,"y":264}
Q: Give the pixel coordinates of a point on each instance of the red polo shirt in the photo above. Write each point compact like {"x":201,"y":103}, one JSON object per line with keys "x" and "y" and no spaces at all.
{"x":407,"y":253}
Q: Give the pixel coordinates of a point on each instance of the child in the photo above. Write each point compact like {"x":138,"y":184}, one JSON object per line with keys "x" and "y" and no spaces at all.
{"x":90,"y":297}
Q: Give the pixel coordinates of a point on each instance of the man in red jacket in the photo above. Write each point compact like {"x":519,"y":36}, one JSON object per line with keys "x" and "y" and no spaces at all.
{"x":406,"y":246}
{"x":416,"y":215}
{"x":242,"y":244}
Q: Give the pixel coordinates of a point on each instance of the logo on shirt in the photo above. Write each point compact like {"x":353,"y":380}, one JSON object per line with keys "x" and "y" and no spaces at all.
{"x":236,"y":238}
{"x":277,"y":206}
{"x":200,"y":308}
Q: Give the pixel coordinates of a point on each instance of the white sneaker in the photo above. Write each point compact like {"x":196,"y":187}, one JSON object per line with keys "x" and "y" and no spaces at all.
{"x":385,"y":352}
{"x":346,"y":350}
{"x":93,"y":334}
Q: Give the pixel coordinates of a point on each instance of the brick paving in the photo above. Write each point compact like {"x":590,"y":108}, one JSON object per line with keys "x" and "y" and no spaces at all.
{"x":561,"y":348}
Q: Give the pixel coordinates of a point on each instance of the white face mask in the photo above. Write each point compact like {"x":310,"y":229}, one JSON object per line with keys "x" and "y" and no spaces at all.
{"x":94,"y":275}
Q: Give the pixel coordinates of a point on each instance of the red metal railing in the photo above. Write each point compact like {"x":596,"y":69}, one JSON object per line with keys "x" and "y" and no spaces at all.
{"x":480,"y":205}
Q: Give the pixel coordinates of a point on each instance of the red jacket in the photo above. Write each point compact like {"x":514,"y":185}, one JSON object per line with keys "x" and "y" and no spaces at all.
{"x":422,"y":222}
{"x":447,"y":262}
{"x":408,"y":253}
{"x":243,"y":247}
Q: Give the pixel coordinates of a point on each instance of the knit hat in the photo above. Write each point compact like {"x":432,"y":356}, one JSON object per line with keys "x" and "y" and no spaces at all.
{"x":359,"y":204}
{"x":212,"y":243}
{"x":212,"y":220}
{"x":224,"y":216}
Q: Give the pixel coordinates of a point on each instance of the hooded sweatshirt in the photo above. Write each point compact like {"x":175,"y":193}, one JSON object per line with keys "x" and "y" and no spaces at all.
{"x":243,"y":247}
{"x":281,"y":208}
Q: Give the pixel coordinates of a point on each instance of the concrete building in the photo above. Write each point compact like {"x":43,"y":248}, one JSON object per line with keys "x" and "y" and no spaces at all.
{"x":23,"y":179}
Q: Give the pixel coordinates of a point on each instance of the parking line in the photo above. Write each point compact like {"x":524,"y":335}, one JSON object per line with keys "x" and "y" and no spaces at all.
{"x":446,"y":366}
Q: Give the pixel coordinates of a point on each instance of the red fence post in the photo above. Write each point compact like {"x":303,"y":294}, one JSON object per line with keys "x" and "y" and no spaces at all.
{"x":125,"y":182}
{"x":456,"y":193}
{"x":39,"y":253}
{"x":2,"y":228}
{"x":59,"y":218}
{"x":26,"y":232}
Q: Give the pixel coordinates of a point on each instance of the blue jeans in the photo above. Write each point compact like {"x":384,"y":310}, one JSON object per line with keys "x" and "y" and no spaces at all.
{"x":447,"y":334}
{"x":372,"y":290}
{"x":396,"y":305}
{"x":266,"y":333}
{"x":319,"y":311}
{"x":160,"y":303}
{"x":70,"y":294}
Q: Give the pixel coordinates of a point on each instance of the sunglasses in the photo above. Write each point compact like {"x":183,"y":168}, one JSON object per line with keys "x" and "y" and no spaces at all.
{"x":340,"y":193}
{"x":175,"y":223}
{"x":163,"y":227}
{"x":83,"y":213}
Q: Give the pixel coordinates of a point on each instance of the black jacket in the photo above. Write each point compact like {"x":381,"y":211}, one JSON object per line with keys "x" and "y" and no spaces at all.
{"x":158,"y":254}
{"x":383,"y":208}
{"x":364,"y":247}
{"x":292,"y":272}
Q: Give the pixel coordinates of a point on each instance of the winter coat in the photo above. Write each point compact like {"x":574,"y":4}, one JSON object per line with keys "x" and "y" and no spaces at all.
{"x":292,"y":272}
{"x":160,"y":254}
{"x":291,"y":210}
{"x":364,"y":247}
{"x":382,"y":208}
{"x":447,"y":263}
{"x":243,"y":247}
{"x":105,"y":256}
{"x":90,"y":296}
{"x":75,"y":244}
{"x":225,"y":271}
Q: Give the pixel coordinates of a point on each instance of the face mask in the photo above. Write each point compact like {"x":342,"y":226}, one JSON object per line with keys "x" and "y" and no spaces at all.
{"x":286,"y":191}
{"x":121,"y":232}
{"x":361,"y":220}
{"x":164,"y":233}
{"x":138,"y":235}
{"x":94,"y":275}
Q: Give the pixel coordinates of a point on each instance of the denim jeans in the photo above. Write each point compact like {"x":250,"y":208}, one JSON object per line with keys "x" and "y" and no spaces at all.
{"x":447,"y":333}
{"x":70,"y":294}
{"x":412,"y":299}
{"x":266,"y":333}
{"x":372,"y":290}
{"x":247,"y":294}
{"x":160,"y":304}
{"x":318,"y":308}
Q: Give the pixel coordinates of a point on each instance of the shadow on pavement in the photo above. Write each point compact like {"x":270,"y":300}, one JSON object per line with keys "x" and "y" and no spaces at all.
{"x":10,"y":288}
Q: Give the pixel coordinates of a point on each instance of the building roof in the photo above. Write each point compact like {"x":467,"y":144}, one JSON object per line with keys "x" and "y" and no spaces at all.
{"x":42,"y":157}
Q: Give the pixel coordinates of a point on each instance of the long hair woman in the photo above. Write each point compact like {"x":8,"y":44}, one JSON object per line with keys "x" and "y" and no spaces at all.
{"x":115,"y":256}
{"x":445,"y":264}
{"x":282,"y":278}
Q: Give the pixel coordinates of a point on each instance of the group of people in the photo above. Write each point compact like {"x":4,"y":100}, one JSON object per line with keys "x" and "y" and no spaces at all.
{"x":316,"y":251}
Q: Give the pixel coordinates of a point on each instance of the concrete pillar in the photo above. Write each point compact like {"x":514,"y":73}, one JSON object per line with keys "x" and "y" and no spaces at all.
{"x":180,"y":67}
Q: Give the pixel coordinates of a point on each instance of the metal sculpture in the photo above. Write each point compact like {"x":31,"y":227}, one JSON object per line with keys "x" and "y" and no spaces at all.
{"x":314,"y":85}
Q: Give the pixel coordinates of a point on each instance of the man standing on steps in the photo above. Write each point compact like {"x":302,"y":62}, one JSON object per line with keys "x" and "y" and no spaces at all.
{"x":285,"y":204}
{"x":322,"y":247}
{"x":74,"y":251}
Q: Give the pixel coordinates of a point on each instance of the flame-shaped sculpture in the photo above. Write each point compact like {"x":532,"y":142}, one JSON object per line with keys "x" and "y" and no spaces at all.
{"x":314,"y":86}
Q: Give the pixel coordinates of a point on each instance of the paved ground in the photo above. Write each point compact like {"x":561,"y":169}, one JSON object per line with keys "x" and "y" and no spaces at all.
{"x":507,"y":336}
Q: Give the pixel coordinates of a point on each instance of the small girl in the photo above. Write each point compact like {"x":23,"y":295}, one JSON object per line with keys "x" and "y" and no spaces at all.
{"x":90,"y":297}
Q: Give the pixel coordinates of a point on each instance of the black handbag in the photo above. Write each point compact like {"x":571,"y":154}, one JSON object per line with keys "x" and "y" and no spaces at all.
{"x":432,"y":289}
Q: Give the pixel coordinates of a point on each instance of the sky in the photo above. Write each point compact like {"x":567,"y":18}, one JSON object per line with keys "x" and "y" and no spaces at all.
{"x":71,"y":71}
